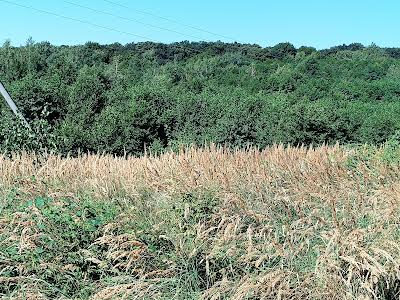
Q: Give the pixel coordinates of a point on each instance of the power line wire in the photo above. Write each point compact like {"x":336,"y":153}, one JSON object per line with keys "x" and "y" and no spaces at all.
{"x":79,"y":20}
{"x":169,"y":20}
{"x":94,"y":24}
{"x":130,"y":19}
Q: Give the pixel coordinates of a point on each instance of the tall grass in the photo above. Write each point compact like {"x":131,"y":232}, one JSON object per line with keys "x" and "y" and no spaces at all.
{"x":202,"y":223}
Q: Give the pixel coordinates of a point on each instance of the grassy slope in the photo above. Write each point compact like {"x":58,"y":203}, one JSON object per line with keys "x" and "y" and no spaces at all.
{"x":202,"y":224}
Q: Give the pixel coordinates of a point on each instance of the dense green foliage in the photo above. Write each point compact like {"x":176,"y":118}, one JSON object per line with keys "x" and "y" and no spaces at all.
{"x":119,"y":99}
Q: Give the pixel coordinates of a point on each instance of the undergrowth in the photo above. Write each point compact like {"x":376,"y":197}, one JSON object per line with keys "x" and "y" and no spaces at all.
{"x":284,"y":223}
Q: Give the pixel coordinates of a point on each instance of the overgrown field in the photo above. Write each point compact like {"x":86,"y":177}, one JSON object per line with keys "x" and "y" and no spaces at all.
{"x":210,"y":223}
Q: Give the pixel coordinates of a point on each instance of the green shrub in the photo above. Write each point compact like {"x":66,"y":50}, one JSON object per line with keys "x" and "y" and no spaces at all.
{"x":125,"y":99}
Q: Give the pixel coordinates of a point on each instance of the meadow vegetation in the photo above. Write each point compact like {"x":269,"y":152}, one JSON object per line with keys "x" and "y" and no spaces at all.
{"x":191,"y":194}
{"x":202,"y":223}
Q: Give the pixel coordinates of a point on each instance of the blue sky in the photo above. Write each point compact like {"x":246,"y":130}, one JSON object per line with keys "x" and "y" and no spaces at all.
{"x":315,"y":23}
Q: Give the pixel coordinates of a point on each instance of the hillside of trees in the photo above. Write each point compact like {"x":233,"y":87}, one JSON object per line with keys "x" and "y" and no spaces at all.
{"x":125,"y":98}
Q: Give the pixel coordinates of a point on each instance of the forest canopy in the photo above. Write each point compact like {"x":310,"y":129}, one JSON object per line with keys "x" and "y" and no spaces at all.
{"x":125,"y":98}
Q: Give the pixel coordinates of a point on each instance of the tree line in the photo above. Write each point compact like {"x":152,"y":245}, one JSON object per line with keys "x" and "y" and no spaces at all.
{"x":125,"y":98}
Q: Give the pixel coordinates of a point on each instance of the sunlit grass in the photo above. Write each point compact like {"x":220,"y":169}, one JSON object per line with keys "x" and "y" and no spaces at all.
{"x":203,"y":223}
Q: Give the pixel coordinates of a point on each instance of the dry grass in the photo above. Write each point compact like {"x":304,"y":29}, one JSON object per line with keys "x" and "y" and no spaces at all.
{"x":213,"y":223}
